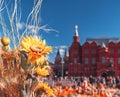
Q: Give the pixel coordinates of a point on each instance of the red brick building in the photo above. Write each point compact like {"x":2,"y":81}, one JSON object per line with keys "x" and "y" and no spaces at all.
{"x":97,"y":56}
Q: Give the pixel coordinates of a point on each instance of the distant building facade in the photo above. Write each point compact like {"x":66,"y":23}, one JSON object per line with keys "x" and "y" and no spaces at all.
{"x":97,"y":56}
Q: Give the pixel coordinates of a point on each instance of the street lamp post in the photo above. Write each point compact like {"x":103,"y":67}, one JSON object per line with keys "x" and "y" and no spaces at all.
{"x":62,"y":68}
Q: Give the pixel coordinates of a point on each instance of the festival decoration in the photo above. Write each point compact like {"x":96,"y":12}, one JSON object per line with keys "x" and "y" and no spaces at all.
{"x":24,"y":67}
{"x":5,"y":42}
{"x":16,"y":81}
{"x":35,"y":48}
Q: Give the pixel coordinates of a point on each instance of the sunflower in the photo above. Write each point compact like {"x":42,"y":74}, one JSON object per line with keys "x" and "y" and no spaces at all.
{"x":44,"y":88}
{"x":42,"y":71}
{"x":36,"y":49}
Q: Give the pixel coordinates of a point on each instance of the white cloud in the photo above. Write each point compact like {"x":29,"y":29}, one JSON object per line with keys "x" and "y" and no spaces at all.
{"x":36,"y":29}
{"x":20,"y":26}
{"x":62,"y":52}
{"x":45,"y":28}
{"x":61,"y":48}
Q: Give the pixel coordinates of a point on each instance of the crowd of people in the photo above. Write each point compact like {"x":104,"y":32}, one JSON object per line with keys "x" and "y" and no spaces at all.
{"x":85,"y":86}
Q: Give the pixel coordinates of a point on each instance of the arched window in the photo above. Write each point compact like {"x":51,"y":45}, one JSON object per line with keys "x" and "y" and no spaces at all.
{"x":93,"y":51}
{"x":103,"y":60}
{"x":111,"y":51}
{"x":111,"y":60}
{"x":86,"y":51}
{"x":118,"y":60}
{"x":75,"y":61}
{"x":118,"y":51}
{"x":93,"y":61}
{"x":86,"y":60}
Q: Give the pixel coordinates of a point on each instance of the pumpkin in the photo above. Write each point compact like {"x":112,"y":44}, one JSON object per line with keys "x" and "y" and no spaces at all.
{"x":103,"y":95}
{"x":65,"y":93}
{"x":96,"y":95}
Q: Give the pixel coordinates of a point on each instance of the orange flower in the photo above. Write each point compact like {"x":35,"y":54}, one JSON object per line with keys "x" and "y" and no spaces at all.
{"x":71,"y":91}
{"x":42,"y":71}
{"x":96,"y":95}
{"x":36,"y":49}
{"x":103,"y":95}
{"x":55,"y":91}
{"x":60,"y":93}
{"x":65,"y":93}
{"x":45,"y":87}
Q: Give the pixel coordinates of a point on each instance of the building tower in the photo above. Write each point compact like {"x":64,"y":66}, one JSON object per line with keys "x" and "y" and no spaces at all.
{"x":75,"y":49}
{"x":58,"y":58}
{"x":75,"y":56}
{"x":66,"y":57}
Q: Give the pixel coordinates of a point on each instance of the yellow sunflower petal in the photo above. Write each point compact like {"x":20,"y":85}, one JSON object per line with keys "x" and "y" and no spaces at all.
{"x":36,"y":48}
{"x":41,"y":60}
{"x":42,"y":71}
{"x":47,"y":89}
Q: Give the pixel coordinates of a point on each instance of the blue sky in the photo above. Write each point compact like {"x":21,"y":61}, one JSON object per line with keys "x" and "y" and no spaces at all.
{"x":95,"y":18}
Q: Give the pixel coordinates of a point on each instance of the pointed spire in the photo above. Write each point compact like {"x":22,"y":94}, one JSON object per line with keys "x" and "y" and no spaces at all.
{"x":58,"y":57}
{"x":76,"y":30}
{"x":103,"y":45}
{"x":66,"y":53}
{"x":66,"y":56}
{"x":58,"y":52}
